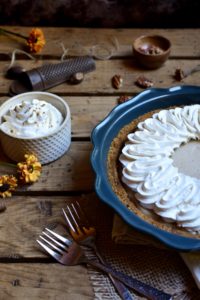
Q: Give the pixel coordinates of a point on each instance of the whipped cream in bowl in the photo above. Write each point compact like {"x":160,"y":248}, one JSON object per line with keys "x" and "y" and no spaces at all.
{"x":35,"y":122}
{"x":31,"y":119}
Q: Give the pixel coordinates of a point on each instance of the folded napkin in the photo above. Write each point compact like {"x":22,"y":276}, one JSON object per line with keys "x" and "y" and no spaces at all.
{"x":192,"y":261}
{"x":124,"y":234}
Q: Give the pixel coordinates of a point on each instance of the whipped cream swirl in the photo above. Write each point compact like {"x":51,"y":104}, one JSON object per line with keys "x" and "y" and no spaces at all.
{"x":148,"y":168}
{"x":31,"y":119}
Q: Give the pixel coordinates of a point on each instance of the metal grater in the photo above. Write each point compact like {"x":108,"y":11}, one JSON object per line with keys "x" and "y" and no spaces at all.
{"x":50,"y":75}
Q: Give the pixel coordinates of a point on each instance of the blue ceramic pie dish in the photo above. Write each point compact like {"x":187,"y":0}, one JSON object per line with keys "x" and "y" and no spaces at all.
{"x":107,"y":130}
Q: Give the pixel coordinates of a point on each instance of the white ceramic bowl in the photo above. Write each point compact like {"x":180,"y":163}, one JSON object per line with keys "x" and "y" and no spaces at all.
{"x":48,"y":147}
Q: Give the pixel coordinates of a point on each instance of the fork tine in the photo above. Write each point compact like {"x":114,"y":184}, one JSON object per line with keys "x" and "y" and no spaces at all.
{"x":77,"y":220}
{"x":73,"y":218}
{"x":68,"y":220}
{"x":59,"y":237}
{"x":48,"y":250}
{"x":54,"y":240}
{"x":72,"y":215}
{"x":74,"y":221}
{"x":50,"y":244}
{"x":80,"y":213}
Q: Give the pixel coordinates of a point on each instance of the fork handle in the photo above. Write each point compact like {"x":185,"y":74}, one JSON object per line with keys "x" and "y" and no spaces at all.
{"x":119,"y":286}
{"x":141,"y":287}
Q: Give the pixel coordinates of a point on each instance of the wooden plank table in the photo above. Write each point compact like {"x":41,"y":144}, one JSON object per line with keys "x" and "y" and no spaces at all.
{"x":27,"y":273}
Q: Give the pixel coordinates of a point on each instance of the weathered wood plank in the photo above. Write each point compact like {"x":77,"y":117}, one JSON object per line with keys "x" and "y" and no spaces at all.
{"x":99,"y":83}
{"x":184,"y":41}
{"x":87,"y":112}
{"x":26,"y":217}
{"x":71,"y":172}
{"x":29,"y":211}
{"x":44,"y":281}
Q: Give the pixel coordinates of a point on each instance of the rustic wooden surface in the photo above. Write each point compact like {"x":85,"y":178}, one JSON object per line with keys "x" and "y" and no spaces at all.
{"x":26,"y":272}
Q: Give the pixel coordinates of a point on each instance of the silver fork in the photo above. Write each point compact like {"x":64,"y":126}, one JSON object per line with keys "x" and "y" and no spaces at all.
{"x":84,"y":234}
{"x":70,"y":253}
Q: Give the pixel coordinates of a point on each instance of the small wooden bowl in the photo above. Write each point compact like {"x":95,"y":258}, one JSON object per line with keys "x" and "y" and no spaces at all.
{"x":151,"y":51}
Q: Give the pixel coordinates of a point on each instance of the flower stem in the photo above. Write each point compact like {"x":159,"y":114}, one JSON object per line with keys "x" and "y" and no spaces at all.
{"x":7,"y":164}
{"x":12,"y":33}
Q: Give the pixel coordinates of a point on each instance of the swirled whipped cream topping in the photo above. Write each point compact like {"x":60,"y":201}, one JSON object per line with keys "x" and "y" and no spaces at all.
{"x":149,"y":171}
{"x":31,"y":119}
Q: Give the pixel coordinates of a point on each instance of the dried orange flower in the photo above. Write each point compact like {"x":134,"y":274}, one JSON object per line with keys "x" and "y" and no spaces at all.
{"x":30,"y":170}
{"x":8,"y":183}
{"x":36,"y":40}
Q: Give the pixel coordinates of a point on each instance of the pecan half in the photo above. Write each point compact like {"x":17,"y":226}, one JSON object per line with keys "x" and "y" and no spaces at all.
{"x":144,"y":82}
{"x":179,"y":74}
{"x":117,"y":81}
{"x":151,"y":50}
